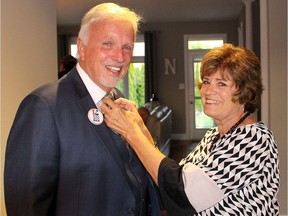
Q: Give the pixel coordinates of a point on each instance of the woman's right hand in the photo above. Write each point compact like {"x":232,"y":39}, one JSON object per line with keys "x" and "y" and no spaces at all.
{"x":123,"y":117}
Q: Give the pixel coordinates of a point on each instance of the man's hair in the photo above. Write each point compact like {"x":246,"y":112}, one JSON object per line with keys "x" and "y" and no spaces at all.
{"x":107,"y":11}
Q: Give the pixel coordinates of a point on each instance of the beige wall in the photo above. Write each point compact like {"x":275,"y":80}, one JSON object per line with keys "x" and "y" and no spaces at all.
{"x":28,"y":58}
{"x":277,"y":55}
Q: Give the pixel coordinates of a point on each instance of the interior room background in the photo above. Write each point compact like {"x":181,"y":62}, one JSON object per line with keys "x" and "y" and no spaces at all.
{"x":29,"y":58}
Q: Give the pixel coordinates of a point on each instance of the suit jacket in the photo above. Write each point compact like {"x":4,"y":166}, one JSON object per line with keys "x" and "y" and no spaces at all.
{"x":59,"y":163}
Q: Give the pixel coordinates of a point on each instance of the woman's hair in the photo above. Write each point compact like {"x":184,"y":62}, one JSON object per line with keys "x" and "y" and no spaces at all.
{"x":244,"y":68}
{"x":107,"y":11}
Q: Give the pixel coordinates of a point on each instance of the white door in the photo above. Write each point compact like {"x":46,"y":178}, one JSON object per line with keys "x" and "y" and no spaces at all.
{"x":198,"y":122}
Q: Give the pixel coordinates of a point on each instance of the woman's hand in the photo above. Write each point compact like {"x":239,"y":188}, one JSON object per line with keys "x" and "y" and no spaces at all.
{"x":123,"y":117}
{"x":127,"y":105}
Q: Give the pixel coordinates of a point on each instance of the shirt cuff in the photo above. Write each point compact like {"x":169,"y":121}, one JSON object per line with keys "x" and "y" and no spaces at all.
{"x":201,"y":190}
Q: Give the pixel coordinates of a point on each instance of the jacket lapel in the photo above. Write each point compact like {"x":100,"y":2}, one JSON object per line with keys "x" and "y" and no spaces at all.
{"x":103,"y":134}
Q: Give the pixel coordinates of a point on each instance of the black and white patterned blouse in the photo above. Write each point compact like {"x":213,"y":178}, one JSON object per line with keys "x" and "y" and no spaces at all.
{"x":237,"y":175}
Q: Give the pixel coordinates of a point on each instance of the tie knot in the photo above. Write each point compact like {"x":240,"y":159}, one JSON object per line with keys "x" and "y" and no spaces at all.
{"x":109,"y":95}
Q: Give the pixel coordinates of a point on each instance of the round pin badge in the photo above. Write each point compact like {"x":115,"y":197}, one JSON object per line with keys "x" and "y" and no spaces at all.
{"x":95,"y":116}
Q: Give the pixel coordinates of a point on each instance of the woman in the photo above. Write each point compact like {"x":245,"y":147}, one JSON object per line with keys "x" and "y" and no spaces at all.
{"x":234,"y":170}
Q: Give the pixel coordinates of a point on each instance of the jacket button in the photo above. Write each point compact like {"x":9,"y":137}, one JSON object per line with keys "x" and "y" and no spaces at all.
{"x":131,"y":211}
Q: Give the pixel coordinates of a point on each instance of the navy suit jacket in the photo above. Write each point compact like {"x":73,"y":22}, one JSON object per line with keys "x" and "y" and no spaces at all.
{"x":59,"y":164}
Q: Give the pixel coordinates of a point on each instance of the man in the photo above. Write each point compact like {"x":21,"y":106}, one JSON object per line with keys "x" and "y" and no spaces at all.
{"x":61,"y":158}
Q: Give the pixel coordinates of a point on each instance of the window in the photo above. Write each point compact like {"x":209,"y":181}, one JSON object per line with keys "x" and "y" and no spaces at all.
{"x":133,"y":84}
{"x":203,"y":44}
{"x":73,"y":47}
{"x":73,"y":50}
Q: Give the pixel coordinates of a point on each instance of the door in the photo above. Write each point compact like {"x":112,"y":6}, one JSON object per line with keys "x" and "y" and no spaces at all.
{"x":198,"y":121}
{"x":196,"y":46}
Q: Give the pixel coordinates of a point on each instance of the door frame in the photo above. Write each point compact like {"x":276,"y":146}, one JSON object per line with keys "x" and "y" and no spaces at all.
{"x":193,"y":133}
{"x":188,"y":83}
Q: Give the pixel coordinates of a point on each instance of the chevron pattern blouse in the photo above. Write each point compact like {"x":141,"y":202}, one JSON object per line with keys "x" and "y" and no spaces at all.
{"x":237,"y":175}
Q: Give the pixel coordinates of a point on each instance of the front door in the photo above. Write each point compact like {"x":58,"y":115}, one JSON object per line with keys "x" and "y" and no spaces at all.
{"x":198,"y":121}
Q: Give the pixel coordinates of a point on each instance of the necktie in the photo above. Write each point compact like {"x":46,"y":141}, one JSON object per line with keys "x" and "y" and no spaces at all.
{"x":107,"y":95}
{"x":96,"y":116}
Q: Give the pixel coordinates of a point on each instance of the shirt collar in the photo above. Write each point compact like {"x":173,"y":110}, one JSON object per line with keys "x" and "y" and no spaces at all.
{"x":94,"y":90}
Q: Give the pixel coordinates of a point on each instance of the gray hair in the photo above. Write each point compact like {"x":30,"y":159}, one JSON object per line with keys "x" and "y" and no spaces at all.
{"x":107,"y":11}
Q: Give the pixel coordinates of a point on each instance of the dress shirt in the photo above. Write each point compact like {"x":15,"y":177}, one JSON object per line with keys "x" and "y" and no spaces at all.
{"x":94,"y":90}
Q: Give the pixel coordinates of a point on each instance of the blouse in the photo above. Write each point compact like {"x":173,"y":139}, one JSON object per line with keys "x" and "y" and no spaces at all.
{"x":237,"y":175}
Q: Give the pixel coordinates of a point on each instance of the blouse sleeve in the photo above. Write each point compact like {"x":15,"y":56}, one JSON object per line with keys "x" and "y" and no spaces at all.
{"x":172,"y":189}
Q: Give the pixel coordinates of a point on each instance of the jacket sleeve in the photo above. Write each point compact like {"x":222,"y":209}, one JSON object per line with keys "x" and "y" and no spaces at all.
{"x":172,"y":189}
{"x":32,"y":156}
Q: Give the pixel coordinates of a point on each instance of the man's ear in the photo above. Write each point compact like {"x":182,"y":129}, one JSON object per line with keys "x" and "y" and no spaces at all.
{"x":81,"y":48}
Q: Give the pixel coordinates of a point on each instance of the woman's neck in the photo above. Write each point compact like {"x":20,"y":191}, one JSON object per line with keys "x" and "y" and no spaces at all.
{"x":238,"y":120}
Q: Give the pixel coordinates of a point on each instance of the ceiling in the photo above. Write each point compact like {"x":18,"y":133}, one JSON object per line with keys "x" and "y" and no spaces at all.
{"x":70,"y":12}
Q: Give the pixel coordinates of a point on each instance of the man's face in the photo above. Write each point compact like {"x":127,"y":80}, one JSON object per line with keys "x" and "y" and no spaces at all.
{"x":106,"y":56}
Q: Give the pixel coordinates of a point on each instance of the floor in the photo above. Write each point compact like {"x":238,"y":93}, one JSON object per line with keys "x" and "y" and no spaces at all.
{"x":180,"y":149}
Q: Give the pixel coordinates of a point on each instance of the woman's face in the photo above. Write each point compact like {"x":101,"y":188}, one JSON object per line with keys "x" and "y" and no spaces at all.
{"x":108,"y":52}
{"x":216,"y":93}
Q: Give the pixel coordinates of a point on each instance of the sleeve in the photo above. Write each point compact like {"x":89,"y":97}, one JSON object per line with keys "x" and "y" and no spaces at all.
{"x":31,"y":163}
{"x":201,"y":190}
{"x":238,"y":161}
{"x":235,"y":163}
{"x":172,"y":189}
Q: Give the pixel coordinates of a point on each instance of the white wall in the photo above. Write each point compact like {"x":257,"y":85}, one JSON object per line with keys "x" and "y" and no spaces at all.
{"x":28,"y":58}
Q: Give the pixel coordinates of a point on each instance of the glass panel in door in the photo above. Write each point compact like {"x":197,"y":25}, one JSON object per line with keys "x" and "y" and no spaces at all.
{"x":202,"y":121}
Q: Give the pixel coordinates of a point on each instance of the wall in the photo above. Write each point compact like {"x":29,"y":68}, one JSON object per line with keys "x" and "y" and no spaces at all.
{"x":28,"y":58}
{"x":277,"y":55}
